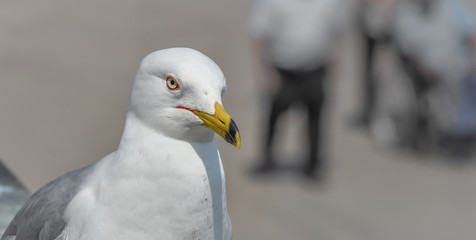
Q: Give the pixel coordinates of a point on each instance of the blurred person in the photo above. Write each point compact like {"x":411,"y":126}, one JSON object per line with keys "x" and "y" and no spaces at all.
{"x":374,"y":26}
{"x":436,"y":43}
{"x":293,"y":41}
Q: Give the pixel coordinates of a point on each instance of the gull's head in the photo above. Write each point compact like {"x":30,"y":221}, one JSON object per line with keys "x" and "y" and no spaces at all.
{"x":177,"y":92}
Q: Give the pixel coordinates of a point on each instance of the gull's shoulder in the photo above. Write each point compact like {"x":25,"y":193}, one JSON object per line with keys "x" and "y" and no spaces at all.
{"x":42,"y":215}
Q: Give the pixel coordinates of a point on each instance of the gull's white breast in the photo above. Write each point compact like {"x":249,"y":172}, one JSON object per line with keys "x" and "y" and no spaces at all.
{"x":175,"y":193}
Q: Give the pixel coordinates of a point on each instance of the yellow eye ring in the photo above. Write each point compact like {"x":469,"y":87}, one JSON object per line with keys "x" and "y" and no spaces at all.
{"x":172,"y":83}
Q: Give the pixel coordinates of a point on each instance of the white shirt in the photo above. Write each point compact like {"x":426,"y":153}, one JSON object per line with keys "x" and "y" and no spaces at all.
{"x":298,"y":34}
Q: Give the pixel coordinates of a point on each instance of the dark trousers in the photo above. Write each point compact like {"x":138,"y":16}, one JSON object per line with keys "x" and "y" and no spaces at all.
{"x":305,"y":87}
{"x":368,"y":86}
{"x":370,"y":44}
{"x":421,"y":85}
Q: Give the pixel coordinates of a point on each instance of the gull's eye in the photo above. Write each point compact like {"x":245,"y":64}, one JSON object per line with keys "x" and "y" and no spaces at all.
{"x":172,"y":83}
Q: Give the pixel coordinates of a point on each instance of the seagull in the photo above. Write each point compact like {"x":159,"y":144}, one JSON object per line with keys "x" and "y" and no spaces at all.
{"x":164,"y":181}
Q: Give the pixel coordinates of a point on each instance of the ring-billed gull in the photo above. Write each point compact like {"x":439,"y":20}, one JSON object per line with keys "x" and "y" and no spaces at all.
{"x":165,"y":180}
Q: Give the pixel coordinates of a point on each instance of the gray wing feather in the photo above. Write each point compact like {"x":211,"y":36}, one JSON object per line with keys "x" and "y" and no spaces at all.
{"x":42,"y":216}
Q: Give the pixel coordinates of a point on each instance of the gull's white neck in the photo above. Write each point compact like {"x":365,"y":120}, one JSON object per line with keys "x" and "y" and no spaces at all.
{"x":173,"y":188}
{"x":140,"y":142}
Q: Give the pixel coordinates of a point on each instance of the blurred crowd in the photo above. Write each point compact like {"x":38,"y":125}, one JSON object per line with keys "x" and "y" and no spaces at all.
{"x":433,"y":47}
{"x":433,"y":42}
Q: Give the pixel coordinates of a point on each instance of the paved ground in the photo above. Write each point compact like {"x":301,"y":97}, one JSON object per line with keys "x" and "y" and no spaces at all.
{"x":66,"y":69}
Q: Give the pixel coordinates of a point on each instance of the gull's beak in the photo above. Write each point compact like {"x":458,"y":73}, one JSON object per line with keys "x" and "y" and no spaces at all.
{"x":222,"y":124}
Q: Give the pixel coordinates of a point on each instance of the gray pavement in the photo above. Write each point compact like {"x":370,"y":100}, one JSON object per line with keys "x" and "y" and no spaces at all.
{"x":65,"y":72}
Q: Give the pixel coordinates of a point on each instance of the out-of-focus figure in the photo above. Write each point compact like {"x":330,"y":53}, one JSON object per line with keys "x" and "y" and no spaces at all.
{"x":294,"y":41}
{"x":374,"y":20}
{"x":436,"y":40}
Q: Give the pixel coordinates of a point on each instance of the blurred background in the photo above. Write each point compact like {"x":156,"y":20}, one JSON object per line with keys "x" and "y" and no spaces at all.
{"x":396,"y":167}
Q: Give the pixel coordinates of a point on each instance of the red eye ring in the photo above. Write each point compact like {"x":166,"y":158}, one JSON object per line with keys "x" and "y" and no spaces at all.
{"x":172,"y":83}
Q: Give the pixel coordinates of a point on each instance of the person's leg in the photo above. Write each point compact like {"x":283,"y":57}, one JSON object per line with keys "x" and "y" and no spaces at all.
{"x":280,"y":103}
{"x":368,"y":80}
{"x":314,"y":100}
{"x":421,"y":85}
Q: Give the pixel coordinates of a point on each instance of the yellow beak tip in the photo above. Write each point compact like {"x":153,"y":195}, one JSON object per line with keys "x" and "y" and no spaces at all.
{"x":237,"y":140}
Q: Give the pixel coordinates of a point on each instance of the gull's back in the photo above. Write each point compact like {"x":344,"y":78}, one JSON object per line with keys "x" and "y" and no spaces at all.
{"x":42,"y":216}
